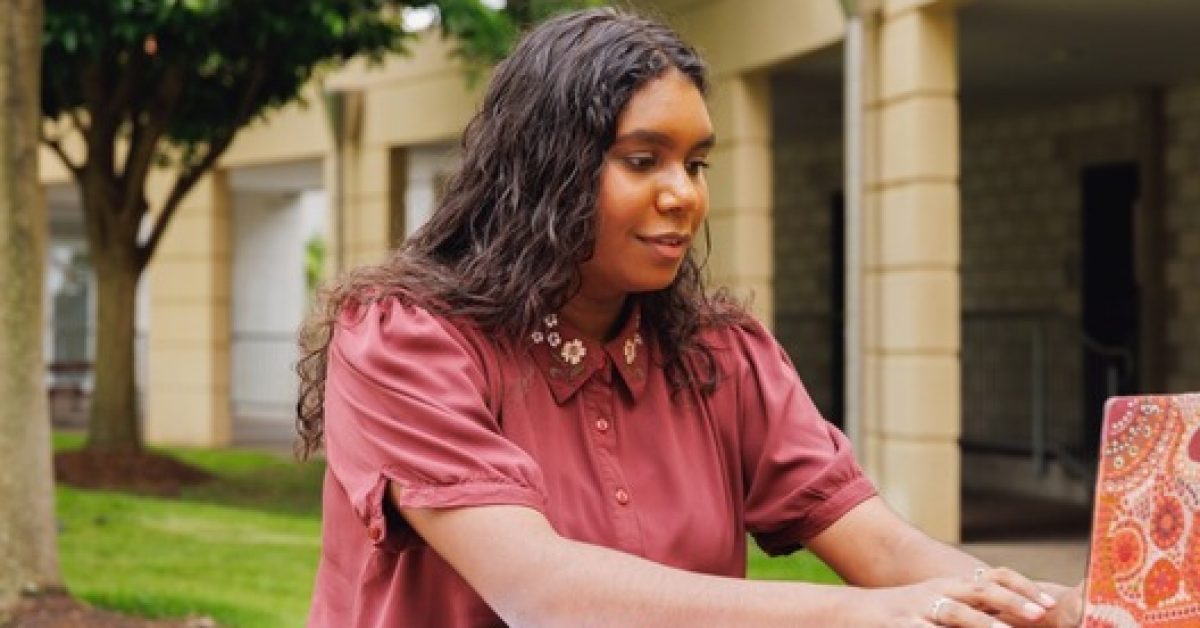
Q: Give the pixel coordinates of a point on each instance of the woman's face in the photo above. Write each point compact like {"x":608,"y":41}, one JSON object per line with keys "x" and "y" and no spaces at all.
{"x":652,"y":197}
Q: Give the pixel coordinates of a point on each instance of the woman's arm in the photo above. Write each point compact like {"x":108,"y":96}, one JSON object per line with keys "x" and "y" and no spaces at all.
{"x":873,"y":546}
{"x":531,"y":576}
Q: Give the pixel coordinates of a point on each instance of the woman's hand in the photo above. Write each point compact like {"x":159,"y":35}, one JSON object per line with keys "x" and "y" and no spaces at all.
{"x":1068,"y":612}
{"x":871,"y":546}
{"x":989,"y":598}
{"x":1064,"y":605}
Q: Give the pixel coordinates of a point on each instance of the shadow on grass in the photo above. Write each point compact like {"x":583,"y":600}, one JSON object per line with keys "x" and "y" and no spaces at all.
{"x":271,"y":484}
{"x":242,"y":478}
{"x":162,"y":606}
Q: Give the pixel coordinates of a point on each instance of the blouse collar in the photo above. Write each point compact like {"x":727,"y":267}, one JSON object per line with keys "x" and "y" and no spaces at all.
{"x":568,"y":359}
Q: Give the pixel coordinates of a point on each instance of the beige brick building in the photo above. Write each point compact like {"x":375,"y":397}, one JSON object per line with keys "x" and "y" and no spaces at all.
{"x":1026,"y":181}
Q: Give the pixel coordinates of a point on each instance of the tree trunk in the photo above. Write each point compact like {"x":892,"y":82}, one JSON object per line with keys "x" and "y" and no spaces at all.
{"x":28,"y":560}
{"x":114,"y":422}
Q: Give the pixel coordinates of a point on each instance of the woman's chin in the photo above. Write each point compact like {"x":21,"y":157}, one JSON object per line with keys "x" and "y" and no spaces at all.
{"x":657,"y":285}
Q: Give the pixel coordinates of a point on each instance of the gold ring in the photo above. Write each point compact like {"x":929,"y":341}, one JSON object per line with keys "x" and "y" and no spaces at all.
{"x":937,"y":608}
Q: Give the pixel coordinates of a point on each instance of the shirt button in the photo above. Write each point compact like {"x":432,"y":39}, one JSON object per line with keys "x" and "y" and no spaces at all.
{"x":622,"y":496}
{"x":375,"y":533}
{"x":602,"y":425}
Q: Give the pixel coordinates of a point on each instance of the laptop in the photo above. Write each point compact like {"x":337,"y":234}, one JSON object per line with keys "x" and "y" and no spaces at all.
{"x":1144,"y":564}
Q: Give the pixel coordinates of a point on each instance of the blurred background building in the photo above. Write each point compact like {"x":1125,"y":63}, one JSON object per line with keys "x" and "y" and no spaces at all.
{"x":1019,"y":211}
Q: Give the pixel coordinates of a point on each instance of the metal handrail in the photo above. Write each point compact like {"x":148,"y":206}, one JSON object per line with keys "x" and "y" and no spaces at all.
{"x":1121,"y":365}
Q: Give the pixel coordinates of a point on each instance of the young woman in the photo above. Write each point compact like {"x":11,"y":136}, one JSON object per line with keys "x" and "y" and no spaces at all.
{"x":534,"y":414}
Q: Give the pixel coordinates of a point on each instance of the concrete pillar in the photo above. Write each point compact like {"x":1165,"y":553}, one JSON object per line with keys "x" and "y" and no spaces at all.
{"x":911,"y":337}
{"x":367,"y":185}
{"x":740,"y":190}
{"x":187,"y":396}
{"x":373,"y":203}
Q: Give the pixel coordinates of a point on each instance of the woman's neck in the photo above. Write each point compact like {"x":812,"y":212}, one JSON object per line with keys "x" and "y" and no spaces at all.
{"x":596,"y":319}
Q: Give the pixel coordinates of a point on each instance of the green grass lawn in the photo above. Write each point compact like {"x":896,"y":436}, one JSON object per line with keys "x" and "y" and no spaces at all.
{"x":242,"y":549}
{"x":801,"y":566}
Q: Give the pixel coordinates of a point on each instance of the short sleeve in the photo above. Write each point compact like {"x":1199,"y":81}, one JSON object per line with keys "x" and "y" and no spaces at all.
{"x":406,"y":402}
{"x":801,"y":475}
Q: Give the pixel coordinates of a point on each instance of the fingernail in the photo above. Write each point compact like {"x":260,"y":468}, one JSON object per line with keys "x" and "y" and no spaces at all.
{"x":1033,"y":611}
{"x":1000,"y":624}
{"x":1047,"y":600}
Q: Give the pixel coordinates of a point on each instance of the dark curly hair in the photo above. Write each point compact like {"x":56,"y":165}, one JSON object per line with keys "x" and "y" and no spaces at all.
{"x":505,"y":245}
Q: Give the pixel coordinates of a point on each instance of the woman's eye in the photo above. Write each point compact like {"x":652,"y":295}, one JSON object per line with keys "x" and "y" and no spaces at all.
{"x":640,"y":162}
{"x":695,"y":166}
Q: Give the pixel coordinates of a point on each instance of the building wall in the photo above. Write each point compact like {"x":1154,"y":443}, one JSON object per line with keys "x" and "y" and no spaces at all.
{"x":1021,"y":256}
{"x":270,"y":231}
{"x":429,"y":165}
{"x":188,"y":348}
{"x":807,"y":172}
{"x":1183,"y":236}
{"x":1021,"y":253}
{"x":735,"y":39}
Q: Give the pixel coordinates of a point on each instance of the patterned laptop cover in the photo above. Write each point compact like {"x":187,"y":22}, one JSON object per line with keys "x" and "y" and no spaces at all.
{"x":1144,"y":568}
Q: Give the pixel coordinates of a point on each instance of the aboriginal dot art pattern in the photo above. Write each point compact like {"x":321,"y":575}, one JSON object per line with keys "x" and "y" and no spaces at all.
{"x":1144,"y":568}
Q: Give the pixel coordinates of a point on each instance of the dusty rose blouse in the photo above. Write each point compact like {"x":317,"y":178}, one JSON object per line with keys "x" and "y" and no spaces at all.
{"x":588,"y":434}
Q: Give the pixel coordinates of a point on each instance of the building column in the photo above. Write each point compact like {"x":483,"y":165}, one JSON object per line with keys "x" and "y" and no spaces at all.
{"x":911,"y":335}
{"x":366,"y":182}
{"x":740,"y":190}
{"x":373,"y":203}
{"x":188,"y":392}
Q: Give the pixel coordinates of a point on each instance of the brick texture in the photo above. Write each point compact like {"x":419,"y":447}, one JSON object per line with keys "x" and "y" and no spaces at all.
{"x":1021,"y":256}
{"x":1183,"y":229}
{"x":807,"y":173}
{"x":1021,"y":247}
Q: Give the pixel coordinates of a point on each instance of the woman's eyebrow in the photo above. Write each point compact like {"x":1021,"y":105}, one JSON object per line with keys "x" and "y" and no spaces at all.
{"x":662,"y":139}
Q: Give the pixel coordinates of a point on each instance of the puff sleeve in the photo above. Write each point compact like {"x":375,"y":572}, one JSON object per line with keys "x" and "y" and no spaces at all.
{"x":407,"y":402}
{"x":799,"y":470}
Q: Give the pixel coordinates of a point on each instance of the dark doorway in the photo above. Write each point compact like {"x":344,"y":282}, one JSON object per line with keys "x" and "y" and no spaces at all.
{"x":837,"y":301}
{"x":1110,"y":296}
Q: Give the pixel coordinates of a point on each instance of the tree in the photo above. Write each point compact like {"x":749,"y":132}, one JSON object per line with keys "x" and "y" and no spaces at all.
{"x":148,"y":83}
{"x":27,"y":551}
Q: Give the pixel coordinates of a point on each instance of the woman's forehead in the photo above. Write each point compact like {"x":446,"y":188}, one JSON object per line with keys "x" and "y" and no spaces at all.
{"x":664,"y":109}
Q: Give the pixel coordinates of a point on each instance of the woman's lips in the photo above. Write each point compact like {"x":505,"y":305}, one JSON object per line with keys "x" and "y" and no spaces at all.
{"x":669,"y":245}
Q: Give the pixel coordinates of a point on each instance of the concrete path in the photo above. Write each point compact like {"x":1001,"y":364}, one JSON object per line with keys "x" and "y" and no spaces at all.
{"x":1043,"y":539}
{"x":1062,"y":560}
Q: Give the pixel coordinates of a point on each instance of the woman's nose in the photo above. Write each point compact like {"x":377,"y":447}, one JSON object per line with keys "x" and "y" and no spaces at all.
{"x":677,"y":192}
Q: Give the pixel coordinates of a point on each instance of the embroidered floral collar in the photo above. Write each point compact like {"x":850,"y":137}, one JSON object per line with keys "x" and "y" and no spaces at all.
{"x":568,"y":359}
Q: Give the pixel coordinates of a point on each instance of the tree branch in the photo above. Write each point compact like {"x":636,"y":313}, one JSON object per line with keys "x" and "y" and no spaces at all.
{"x":55,"y":143}
{"x":196,"y":169}
{"x":73,"y":113}
{"x":102,"y":126}
{"x":187,"y":179}
{"x":144,"y":139}
{"x":130,"y":79}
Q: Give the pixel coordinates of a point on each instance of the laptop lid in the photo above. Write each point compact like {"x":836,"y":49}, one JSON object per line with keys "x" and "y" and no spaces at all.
{"x":1144,"y":563}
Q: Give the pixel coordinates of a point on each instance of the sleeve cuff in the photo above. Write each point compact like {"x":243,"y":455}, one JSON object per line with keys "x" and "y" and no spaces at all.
{"x":387,"y":529}
{"x":791,"y":538}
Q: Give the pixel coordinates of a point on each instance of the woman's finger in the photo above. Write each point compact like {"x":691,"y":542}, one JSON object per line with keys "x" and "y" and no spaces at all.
{"x":1014,"y":581}
{"x":998,"y":600}
{"x":946,"y":611}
